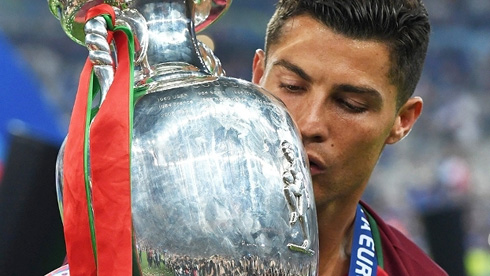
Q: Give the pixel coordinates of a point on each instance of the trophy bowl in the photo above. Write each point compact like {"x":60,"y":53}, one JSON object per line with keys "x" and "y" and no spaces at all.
{"x":218,"y":196}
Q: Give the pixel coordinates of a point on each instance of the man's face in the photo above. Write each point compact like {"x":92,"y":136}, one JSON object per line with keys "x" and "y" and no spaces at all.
{"x":338,"y":92}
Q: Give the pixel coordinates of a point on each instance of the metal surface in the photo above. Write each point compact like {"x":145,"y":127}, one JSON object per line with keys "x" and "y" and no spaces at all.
{"x":208,"y":166}
{"x":219,"y":182}
{"x":99,"y":53}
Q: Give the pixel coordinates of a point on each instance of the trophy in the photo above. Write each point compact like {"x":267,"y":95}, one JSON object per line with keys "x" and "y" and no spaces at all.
{"x":218,"y":181}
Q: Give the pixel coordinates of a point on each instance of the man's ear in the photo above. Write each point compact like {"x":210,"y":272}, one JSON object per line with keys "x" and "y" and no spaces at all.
{"x":258,"y":66}
{"x":406,"y":118}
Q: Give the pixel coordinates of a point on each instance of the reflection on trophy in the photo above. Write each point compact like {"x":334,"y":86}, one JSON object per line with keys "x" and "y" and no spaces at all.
{"x":219,"y":183}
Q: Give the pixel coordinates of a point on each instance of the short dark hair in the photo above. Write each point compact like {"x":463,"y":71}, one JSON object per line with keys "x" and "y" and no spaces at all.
{"x":403,"y":25}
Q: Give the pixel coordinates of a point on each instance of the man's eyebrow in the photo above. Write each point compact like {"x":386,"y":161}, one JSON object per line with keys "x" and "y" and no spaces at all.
{"x":373,"y":93}
{"x":293,"y":68}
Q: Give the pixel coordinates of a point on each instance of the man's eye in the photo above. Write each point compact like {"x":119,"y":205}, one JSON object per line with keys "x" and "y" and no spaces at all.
{"x":291,"y":88}
{"x":351,"y":106}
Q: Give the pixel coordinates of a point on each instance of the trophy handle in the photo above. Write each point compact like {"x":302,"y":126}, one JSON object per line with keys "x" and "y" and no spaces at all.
{"x":100,"y":53}
{"x":212,"y":62}
{"x":208,"y":11}
{"x":100,"y":50}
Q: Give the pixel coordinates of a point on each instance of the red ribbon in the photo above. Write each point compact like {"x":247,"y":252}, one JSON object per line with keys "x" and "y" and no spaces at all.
{"x":75,"y":209}
{"x":110,"y":146}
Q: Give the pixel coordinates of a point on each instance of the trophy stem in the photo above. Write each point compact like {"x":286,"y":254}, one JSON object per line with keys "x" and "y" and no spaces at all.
{"x":171,"y":33}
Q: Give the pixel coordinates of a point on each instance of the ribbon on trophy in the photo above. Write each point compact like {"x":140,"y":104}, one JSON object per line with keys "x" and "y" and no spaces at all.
{"x":97,"y":192}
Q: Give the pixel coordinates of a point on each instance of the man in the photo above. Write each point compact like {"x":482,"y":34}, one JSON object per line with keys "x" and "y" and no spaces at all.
{"x":346,"y":70}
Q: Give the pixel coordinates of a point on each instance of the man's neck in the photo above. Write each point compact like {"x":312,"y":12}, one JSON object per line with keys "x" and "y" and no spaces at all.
{"x":335,"y":230}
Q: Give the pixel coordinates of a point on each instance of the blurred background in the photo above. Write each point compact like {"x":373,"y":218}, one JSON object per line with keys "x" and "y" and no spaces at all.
{"x":434,"y":185}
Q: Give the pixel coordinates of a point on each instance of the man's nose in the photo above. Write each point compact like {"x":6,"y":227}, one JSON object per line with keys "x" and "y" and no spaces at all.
{"x":312,"y":122}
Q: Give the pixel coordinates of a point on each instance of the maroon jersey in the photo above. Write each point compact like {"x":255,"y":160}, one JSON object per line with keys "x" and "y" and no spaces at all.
{"x":401,"y":256}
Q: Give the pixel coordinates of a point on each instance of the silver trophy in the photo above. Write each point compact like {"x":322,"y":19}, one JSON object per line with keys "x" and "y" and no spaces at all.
{"x":220,"y":182}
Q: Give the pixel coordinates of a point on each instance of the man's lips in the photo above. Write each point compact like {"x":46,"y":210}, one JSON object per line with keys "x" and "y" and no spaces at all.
{"x":316,"y":166}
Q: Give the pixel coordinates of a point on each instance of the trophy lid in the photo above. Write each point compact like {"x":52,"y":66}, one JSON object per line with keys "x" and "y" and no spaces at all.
{"x":71,"y":13}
